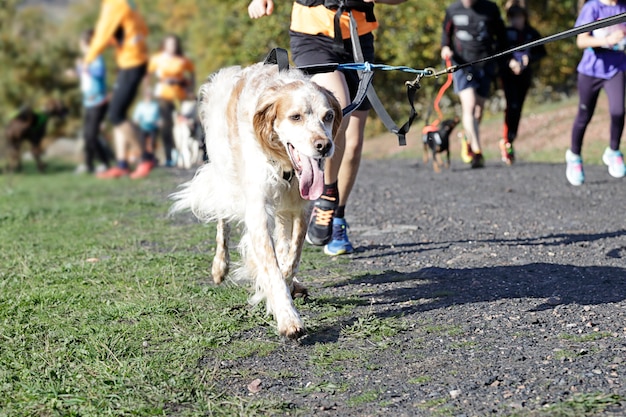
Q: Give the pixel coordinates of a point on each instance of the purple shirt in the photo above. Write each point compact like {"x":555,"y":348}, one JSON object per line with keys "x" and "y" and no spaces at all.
{"x":601,"y":62}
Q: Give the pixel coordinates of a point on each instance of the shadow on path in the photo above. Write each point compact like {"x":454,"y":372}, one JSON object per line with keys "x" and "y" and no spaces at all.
{"x":442,"y":287}
{"x":403,"y":294}
{"x":554,"y":239}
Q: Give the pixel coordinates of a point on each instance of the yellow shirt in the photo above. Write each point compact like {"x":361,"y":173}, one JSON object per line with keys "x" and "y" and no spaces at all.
{"x":320,"y":20}
{"x":120,"y":15}
{"x":171,"y":71}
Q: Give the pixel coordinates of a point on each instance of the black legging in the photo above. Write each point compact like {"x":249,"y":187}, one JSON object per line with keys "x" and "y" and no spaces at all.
{"x":515,"y":90}
{"x":91,"y":132}
{"x":588,"y":92}
{"x":166,"y":108}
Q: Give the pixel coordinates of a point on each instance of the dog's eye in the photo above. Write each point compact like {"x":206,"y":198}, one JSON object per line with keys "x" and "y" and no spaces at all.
{"x":328,"y":117}
{"x":296,"y":117}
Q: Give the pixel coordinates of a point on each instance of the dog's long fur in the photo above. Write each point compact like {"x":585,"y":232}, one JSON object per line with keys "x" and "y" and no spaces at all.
{"x":30,"y":126}
{"x":262,"y":126}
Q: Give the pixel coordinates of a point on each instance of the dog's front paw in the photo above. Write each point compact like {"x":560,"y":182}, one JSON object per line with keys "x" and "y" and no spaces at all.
{"x":291,"y":327}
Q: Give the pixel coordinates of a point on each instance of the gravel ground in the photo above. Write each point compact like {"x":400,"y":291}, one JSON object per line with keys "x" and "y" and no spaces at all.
{"x":509,"y":286}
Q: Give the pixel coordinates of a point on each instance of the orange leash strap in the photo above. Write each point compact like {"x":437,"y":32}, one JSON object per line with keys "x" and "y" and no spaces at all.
{"x":433,"y":127}
{"x":442,"y":90}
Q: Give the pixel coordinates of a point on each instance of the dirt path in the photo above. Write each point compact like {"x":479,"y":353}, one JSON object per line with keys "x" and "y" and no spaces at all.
{"x":471,"y":292}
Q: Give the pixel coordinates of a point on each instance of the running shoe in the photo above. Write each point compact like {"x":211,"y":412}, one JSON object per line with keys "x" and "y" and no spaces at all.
{"x":466,"y":150}
{"x":320,"y":229}
{"x":478,"y":161}
{"x":615,"y":161}
{"x":574,"y":172}
{"x":113,"y":172}
{"x":100,"y":168}
{"x":142,"y":170}
{"x":81,"y":169}
{"x":507,"y":151}
{"x":339,"y":245}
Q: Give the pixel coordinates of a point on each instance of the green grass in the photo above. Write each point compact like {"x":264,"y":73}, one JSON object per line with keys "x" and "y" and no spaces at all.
{"x":375,"y":328}
{"x":107,"y":308}
{"x":581,"y":338}
{"x":106,"y":305}
{"x":418,"y":380}
{"x":364,"y":398}
{"x":580,"y":405}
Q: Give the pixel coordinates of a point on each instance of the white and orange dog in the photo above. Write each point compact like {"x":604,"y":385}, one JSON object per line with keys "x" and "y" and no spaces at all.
{"x":187,"y":147}
{"x":267,"y":136}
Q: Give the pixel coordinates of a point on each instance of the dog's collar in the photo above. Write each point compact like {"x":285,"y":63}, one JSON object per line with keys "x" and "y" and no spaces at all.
{"x":288,"y":175}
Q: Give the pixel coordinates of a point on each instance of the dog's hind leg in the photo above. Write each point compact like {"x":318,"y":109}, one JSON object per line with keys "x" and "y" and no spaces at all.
{"x":221,"y":260}
{"x":14,"y":160}
{"x":37,"y":151}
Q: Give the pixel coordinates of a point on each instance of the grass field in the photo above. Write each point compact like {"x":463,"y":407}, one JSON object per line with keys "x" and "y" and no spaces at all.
{"x":105,"y":306}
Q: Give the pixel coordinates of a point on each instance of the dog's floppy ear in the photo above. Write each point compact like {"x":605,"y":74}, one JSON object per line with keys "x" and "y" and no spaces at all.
{"x":334,"y":103}
{"x":263,"y":122}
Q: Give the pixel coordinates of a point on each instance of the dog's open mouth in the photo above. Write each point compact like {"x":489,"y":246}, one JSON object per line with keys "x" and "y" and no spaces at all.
{"x":310,"y":173}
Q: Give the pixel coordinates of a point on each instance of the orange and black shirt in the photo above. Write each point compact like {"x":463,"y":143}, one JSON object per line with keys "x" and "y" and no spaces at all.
{"x":171,"y":71}
{"x":319,"y":20}
{"x":120,"y":24}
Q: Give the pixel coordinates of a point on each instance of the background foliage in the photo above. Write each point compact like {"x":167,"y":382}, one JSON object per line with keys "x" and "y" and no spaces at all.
{"x":37,"y":46}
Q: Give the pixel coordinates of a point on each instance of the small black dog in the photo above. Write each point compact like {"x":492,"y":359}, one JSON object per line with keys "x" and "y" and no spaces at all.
{"x":437,"y":139}
{"x":30,"y":126}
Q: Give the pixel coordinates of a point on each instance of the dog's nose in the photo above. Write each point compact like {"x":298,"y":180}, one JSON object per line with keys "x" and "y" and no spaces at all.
{"x":323,"y":146}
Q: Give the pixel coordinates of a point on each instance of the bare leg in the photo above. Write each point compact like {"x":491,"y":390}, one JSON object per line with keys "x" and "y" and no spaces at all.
{"x":472,"y":108}
{"x":352,"y":155}
{"x":336,"y":83}
{"x":123,"y":137}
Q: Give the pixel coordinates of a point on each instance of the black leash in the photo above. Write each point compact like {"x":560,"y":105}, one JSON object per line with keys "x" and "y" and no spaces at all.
{"x":589,"y":27}
{"x":366,"y":84}
{"x":279,"y":56}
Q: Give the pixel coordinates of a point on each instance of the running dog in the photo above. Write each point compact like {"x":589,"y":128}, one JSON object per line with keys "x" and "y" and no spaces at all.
{"x":268,"y":133}
{"x":437,"y":141}
{"x":187,"y":146}
{"x":30,"y":126}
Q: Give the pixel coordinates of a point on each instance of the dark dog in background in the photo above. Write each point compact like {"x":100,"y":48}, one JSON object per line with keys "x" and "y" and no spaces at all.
{"x":437,"y":140}
{"x":30,"y":125}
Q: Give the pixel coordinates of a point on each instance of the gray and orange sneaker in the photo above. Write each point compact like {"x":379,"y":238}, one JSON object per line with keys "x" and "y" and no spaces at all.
{"x":320,"y":228}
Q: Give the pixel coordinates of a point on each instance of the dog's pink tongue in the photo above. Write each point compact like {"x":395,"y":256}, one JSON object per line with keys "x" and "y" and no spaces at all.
{"x":311,"y":179}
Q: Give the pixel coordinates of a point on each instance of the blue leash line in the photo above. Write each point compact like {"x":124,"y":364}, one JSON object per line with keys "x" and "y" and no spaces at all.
{"x":367,"y":67}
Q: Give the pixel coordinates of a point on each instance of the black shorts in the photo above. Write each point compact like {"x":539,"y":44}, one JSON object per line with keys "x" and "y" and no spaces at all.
{"x":126,"y":85}
{"x":478,"y":78}
{"x":320,"y":49}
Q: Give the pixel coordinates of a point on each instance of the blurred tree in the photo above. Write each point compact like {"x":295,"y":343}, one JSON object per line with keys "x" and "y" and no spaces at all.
{"x":33,"y":60}
{"x":34,"y":50}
